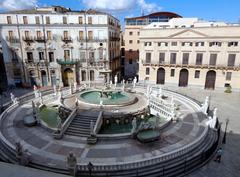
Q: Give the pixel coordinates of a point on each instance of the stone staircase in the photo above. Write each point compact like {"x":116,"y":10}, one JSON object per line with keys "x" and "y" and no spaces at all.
{"x":80,"y":126}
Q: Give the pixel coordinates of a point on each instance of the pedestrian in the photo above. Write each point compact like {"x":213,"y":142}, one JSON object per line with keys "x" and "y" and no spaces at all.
{"x":219,"y":155}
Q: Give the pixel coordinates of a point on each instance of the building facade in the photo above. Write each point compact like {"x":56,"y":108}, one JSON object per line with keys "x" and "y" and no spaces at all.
{"x":191,"y":53}
{"x":131,"y":39}
{"x":57,"y":46}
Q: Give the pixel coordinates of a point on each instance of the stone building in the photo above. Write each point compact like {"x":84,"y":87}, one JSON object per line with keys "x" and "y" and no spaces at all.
{"x":57,"y":46}
{"x":188,"y":52}
{"x":131,"y":41}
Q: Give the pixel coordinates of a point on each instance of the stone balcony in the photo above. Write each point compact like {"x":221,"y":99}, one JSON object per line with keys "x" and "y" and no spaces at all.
{"x":13,"y":40}
{"x":91,"y":40}
{"x":28,"y":39}
{"x":190,"y":65}
{"x":67,"y":39}
{"x":40,"y":39}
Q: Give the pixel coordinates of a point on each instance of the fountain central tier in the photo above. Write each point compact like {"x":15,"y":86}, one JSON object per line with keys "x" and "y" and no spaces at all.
{"x":107,"y":98}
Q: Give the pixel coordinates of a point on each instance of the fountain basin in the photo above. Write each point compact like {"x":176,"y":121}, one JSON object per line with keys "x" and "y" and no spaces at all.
{"x":108,"y":98}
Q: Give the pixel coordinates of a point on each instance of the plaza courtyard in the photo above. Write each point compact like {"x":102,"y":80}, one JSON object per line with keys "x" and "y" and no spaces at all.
{"x":49,"y":153}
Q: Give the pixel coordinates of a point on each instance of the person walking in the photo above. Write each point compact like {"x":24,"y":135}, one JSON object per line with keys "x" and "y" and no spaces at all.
{"x":219,"y":155}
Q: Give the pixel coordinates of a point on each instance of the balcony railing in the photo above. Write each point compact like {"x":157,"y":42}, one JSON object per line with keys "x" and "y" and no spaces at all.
{"x":12,"y":39}
{"x":40,"y":39}
{"x":190,"y":65}
{"x":66,"y":39}
{"x":28,"y":39}
{"x":91,"y":40}
{"x":66,"y":62}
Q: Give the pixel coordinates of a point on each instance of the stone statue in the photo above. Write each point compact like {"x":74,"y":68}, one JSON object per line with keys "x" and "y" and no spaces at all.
{"x":13,"y":98}
{"x":101,"y":103}
{"x":214,"y":118}
{"x":55,"y":90}
{"x":134,"y":82}
{"x":71,"y":161}
{"x":70,"y":89}
{"x":35,"y":89}
{"x":134,"y":125}
{"x":205,"y":105}
{"x":110,"y":84}
{"x":115,"y":80}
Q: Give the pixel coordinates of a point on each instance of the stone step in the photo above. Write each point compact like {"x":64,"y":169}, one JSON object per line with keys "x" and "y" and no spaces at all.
{"x":78,"y":129}
{"x":77,"y":134}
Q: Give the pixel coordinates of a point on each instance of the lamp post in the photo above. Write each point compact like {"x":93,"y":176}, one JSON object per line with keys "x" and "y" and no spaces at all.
{"x":90,"y":167}
{"x":225,"y":132}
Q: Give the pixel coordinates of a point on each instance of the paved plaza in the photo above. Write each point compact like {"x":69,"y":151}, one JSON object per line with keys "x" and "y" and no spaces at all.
{"x":228,"y":106}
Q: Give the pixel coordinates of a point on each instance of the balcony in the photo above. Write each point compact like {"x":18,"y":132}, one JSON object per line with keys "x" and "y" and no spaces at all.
{"x":12,"y":40}
{"x":66,"y":39}
{"x":91,"y":40}
{"x":66,"y":62}
{"x":114,"y":39}
{"x":40,"y":39}
{"x":28,"y":39}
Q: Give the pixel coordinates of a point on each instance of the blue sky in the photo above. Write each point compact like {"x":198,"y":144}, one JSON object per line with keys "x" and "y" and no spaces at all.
{"x":219,"y":10}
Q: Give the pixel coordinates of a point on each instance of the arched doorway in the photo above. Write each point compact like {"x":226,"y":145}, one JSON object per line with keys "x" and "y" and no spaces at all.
{"x":210,"y":80}
{"x":183,"y":78}
{"x":91,"y":75}
{"x":32,"y":78}
{"x":44,"y":78}
{"x":68,"y":77}
{"x":161,"y":76}
{"x":53,"y":78}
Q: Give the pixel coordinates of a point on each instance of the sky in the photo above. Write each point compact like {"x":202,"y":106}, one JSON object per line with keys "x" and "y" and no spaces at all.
{"x":213,"y":10}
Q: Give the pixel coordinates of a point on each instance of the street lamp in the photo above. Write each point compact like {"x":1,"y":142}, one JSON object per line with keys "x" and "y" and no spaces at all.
{"x":90,"y":167}
{"x":225,"y":132}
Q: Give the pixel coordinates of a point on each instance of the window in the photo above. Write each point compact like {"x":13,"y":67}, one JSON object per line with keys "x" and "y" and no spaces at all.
{"x":148,"y":57}
{"x":228,"y":76}
{"x":37,"y":20}
{"x":83,"y":73}
{"x":172,"y":74}
{"x":232,"y":44}
{"x":65,"y":34}
{"x":49,"y":35}
{"x":174,"y":43}
{"x":27,"y":34}
{"x":185,"y":58}
{"x":90,"y":35}
{"x":138,"y":33}
{"x":130,"y":41}
{"x":100,"y":53}
{"x":138,"y":41}
{"x":219,"y":44}
{"x":161,"y":58}
{"x":147,"y":71}
{"x":147,"y":44}
{"x":90,"y":20}
{"x":64,"y":20}
{"x":9,"y":20}
{"x":10,"y":35}
{"x":39,"y":34}
{"x":82,"y":56}
{"x":81,"y":35}
{"x":80,"y":20}
{"x":47,"y":20}
{"x":231,"y":59}
{"x":130,"y":33}
{"x":29,"y":57}
{"x":197,"y":74}
{"x":41,"y":55}
{"x":198,"y":44}
{"x":25,"y":20}
{"x":130,"y":61}
{"x":213,"y":59}
{"x":91,"y":55}
{"x":199,"y":59}
{"x":162,"y":44}
{"x":187,"y":44}
{"x":51,"y":56}
{"x":173,"y":58}
{"x":66,"y":54}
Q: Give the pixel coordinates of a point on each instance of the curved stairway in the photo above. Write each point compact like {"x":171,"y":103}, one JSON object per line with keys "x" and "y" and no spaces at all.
{"x":80,"y":125}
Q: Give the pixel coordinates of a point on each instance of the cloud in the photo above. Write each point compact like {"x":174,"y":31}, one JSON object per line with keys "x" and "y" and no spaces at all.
{"x":149,"y":7}
{"x":17,"y":4}
{"x":110,"y":5}
{"x":121,"y":5}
